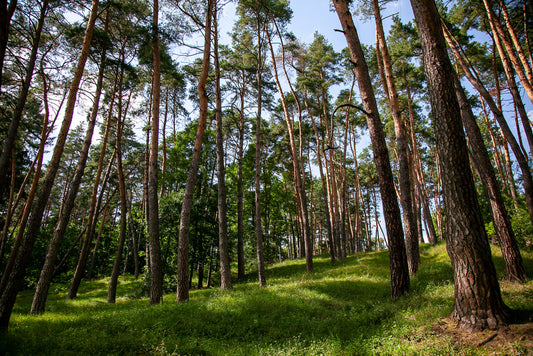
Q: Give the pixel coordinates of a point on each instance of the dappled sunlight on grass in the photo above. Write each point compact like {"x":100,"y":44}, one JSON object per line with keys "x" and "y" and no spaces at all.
{"x":342,"y":308}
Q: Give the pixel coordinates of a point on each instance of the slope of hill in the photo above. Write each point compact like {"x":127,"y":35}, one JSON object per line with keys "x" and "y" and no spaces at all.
{"x":341,"y":309}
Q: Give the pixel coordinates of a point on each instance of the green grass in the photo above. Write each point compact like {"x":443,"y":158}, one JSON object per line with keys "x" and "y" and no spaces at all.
{"x":341,"y":309}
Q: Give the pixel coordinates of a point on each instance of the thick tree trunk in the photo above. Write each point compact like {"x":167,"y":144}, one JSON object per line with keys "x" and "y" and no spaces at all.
{"x":225,"y":269}
{"x":41,"y":290}
{"x":156,"y":266}
{"x":478,"y":301}
{"x":393,"y":221}
{"x":15,"y":278}
{"x":182,"y":293}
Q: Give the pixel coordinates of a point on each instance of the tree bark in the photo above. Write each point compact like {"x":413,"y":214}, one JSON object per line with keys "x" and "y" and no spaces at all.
{"x":478,"y":301}
{"x":182,"y":293}
{"x":15,"y":278}
{"x":393,"y":221}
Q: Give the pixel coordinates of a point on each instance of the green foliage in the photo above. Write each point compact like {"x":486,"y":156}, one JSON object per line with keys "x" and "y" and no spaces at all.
{"x":340,"y":309}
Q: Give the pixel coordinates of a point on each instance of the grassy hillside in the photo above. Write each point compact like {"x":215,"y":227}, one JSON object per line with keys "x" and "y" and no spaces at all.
{"x":341,"y":309}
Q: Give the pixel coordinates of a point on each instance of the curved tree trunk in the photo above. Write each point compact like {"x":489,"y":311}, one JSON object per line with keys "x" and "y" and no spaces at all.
{"x":393,"y":221}
{"x":478,"y":301}
{"x":182,"y":293}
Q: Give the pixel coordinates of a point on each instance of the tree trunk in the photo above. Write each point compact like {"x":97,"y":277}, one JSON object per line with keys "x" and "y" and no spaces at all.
{"x":240,"y":202}
{"x":393,"y":221}
{"x":225,"y":269}
{"x":41,"y":290}
{"x":478,"y":301}
{"x":15,"y":278}
{"x":121,"y":119}
{"x":182,"y":293}
{"x":257,"y":165}
{"x":156,"y":266}
{"x":409,"y":221}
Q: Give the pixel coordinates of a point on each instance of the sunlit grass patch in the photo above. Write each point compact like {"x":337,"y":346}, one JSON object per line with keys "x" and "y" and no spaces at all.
{"x":341,"y":309}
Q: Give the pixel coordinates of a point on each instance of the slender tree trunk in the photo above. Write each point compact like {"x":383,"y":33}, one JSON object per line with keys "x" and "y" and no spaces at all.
{"x":393,"y":221}
{"x":15,"y":278}
{"x":9,"y":140}
{"x":409,"y":221}
{"x":156,"y":267}
{"x":240,"y":201}
{"x":182,"y":293}
{"x":43,"y":285}
{"x":121,"y":119}
{"x":478,"y":301}
{"x":257,"y":163}
{"x":225,"y":269}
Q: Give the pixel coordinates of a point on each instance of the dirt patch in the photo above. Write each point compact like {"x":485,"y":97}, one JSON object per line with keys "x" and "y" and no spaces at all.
{"x":516,"y":339}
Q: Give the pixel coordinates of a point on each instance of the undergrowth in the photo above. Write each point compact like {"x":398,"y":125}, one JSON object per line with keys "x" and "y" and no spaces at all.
{"x":340,"y":309}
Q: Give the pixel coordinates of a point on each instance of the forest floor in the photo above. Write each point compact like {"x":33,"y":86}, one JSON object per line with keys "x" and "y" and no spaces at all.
{"x":340,"y":309}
